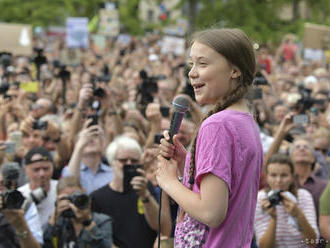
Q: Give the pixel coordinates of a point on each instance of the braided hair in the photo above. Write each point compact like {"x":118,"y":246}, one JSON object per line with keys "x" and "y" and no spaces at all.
{"x":235,"y":46}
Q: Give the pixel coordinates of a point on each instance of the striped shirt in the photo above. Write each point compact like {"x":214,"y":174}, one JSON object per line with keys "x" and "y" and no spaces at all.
{"x":287,"y":235}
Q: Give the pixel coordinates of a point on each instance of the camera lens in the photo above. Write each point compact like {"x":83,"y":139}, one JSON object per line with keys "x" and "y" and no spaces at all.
{"x":13,"y":199}
{"x":80,"y":200}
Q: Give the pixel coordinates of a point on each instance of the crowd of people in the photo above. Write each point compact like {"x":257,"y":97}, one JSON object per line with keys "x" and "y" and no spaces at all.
{"x":81,"y":145}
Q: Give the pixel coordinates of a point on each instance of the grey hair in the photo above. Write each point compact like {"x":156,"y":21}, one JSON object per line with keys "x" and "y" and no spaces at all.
{"x":302,"y":137}
{"x":121,"y":141}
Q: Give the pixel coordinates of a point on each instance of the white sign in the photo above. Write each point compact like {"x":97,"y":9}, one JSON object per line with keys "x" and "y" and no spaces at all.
{"x":109,"y":22}
{"x":173,"y":45}
{"x":77,"y":32}
{"x":16,"y":38}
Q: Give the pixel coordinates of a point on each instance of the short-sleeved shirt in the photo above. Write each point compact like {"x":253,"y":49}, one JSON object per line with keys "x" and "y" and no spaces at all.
{"x":47,"y":206}
{"x":91,"y":181}
{"x":228,"y":146}
{"x":287,"y":235}
{"x":315,"y":186}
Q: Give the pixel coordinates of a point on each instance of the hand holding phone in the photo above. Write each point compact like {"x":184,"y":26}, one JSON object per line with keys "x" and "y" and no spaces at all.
{"x":130,"y":171}
{"x":10,"y":147}
{"x":300,"y":119}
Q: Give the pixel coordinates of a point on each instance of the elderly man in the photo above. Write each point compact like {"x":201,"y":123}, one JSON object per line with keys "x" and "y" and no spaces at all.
{"x":86,"y":163}
{"x":302,"y":156}
{"x":39,"y":170}
{"x":134,"y":210}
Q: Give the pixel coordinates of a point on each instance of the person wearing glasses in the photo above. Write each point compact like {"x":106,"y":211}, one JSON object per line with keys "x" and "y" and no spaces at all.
{"x":86,"y":160}
{"x":303,"y":159}
{"x":130,"y":198}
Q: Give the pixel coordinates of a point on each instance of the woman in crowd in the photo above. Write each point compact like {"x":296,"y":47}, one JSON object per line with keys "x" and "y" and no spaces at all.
{"x":285,"y":216}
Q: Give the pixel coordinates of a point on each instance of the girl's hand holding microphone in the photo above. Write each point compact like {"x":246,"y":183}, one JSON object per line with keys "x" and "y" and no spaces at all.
{"x":171,"y":158}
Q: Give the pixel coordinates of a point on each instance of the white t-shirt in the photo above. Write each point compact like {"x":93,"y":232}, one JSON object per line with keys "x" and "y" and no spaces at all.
{"x":47,"y":206}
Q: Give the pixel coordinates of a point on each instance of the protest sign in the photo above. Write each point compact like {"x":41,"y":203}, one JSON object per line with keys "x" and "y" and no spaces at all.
{"x":175,"y":45}
{"x":77,"y":32}
{"x":109,"y":22}
{"x":17,"y":39}
{"x":316,"y":36}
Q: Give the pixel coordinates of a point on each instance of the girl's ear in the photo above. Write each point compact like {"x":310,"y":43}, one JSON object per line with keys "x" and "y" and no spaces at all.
{"x":235,"y":73}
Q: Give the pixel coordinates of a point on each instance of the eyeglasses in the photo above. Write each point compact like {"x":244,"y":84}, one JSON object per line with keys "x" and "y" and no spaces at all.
{"x":304,"y":147}
{"x":126,"y":160}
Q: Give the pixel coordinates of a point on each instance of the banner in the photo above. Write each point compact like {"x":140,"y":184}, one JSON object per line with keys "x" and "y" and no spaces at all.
{"x":16,"y":39}
{"x":77,"y":32}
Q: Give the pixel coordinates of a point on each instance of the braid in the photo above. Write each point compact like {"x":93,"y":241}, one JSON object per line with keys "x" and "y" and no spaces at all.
{"x":234,"y":96}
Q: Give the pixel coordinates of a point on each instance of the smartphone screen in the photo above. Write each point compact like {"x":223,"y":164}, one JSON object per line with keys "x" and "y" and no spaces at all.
{"x":10,"y":147}
{"x":130,"y":171}
{"x":300,"y":119}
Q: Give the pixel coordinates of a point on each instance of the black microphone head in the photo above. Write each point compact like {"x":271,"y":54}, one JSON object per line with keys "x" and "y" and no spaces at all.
{"x":10,"y":172}
{"x":180,"y":104}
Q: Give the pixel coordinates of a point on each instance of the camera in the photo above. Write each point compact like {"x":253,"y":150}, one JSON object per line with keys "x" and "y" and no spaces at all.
{"x":11,"y":198}
{"x":260,"y":79}
{"x":39,"y":125}
{"x":97,"y":91}
{"x":274,"y":197}
{"x":4,"y":87}
{"x":306,"y":101}
{"x":94,"y":118}
{"x":148,"y":87}
{"x":79,"y":199}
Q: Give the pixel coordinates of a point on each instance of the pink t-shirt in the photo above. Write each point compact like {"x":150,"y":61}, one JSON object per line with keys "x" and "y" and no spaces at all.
{"x":229,"y":147}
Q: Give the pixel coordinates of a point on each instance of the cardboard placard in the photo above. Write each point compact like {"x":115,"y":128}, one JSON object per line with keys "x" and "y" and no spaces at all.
{"x":316,"y":36}
{"x":16,"y":38}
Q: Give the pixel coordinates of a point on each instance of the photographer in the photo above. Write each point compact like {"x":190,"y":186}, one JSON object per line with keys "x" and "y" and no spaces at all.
{"x":72,"y":224}
{"x":17,"y":228}
{"x":39,"y":169}
{"x":284,"y":215}
{"x":130,"y":198}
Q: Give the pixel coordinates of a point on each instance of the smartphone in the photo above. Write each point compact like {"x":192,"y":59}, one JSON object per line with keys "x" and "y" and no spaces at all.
{"x":16,"y":137}
{"x":255,"y":94}
{"x":130,"y":171}
{"x":10,"y":147}
{"x":94,"y":118}
{"x":300,"y":119}
{"x":165,"y":111}
{"x":157,"y":138}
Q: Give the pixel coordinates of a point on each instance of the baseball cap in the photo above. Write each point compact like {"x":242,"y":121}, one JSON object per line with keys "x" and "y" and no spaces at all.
{"x":37,"y":154}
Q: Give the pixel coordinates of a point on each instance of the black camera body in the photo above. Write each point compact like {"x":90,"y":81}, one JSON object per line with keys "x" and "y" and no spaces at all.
{"x":130,"y":171}
{"x":275,"y":198}
{"x":12,"y":199}
{"x":80,"y":200}
{"x":39,"y":125}
{"x":97,"y":91}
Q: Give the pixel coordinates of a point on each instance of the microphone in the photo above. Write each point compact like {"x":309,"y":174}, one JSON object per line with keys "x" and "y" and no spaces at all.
{"x":181,"y":106}
{"x":10,"y":173}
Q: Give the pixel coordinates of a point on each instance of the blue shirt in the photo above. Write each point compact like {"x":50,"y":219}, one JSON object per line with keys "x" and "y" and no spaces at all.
{"x":92,"y":181}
